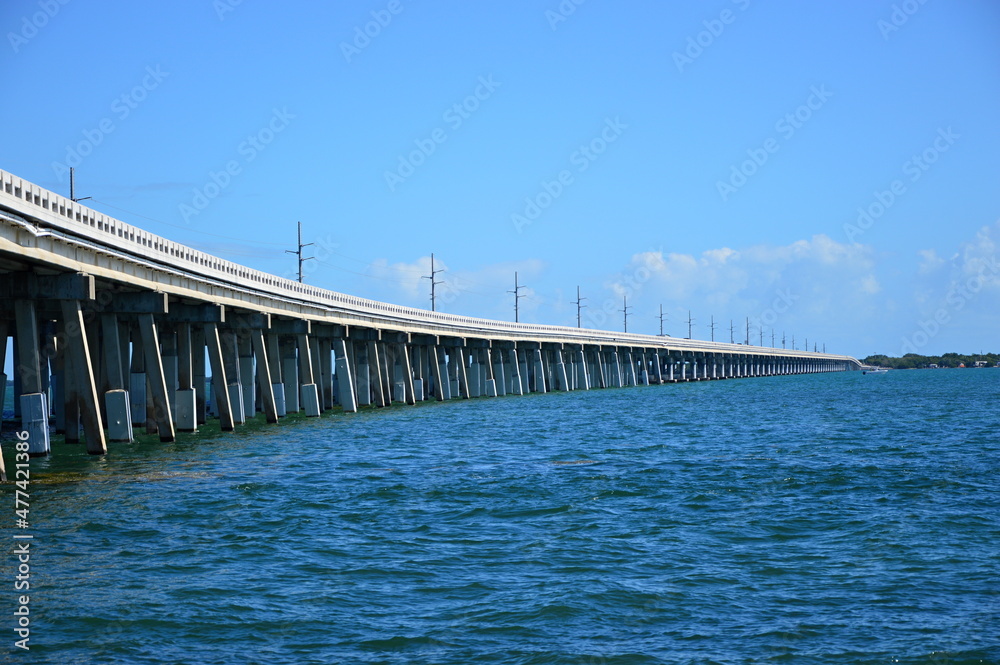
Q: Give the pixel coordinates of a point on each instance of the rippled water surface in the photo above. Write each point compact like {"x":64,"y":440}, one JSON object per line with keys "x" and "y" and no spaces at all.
{"x":835,"y":518}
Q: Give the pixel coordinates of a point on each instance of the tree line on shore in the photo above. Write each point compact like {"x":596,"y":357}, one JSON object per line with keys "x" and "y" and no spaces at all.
{"x":917,"y":361}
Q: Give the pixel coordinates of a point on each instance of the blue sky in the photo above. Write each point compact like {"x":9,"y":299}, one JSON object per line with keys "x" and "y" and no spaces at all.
{"x":828,"y":171}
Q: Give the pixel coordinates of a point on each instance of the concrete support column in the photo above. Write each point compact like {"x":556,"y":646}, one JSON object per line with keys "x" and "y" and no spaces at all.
{"x":582,"y":379}
{"x":363,"y":385}
{"x":500,"y":373}
{"x":116,"y":399}
{"x":439,"y":370}
{"x":155,"y":379}
{"x":220,"y":385}
{"x":264,"y":378}
{"x":234,"y":387}
{"x":274,"y":364}
{"x":522,"y":368}
{"x":309,"y":392}
{"x":78,"y":347}
{"x":345,"y":382}
{"x":561,"y":380}
{"x":376,"y":377}
{"x":538,"y":371}
{"x":517,"y":379}
{"x":290,"y":373}
{"x":247,"y":373}
{"x":33,"y":400}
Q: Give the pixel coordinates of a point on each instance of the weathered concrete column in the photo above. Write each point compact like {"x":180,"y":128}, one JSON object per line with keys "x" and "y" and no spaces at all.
{"x":406,"y":369}
{"x":155,"y":378}
{"x":490,"y":388}
{"x":290,"y":373}
{"x":539,"y":371}
{"x":345,"y":382}
{"x":522,"y":369}
{"x":264,"y":378}
{"x":277,"y":378}
{"x":93,"y":427}
{"x":247,"y":372}
{"x":33,"y":401}
{"x":582,"y":380}
{"x":515,"y":386}
{"x":186,"y":398}
{"x":475,"y":374}
{"x":617,"y":380}
{"x":364,"y":388}
{"x":309,"y":392}
{"x":500,"y":372}
{"x":377,"y":376}
{"x":198,"y":374}
{"x":439,"y":367}
{"x":116,"y":399}
{"x":220,"y":386}
{"x":463,"y":378}
{"x":234,"y":387}
{"x":561,"y":382}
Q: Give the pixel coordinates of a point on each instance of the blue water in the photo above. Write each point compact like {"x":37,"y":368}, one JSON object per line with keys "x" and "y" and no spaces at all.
{"x":834,"y":518}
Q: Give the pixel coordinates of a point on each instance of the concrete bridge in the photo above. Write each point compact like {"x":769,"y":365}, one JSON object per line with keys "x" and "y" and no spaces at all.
{"x":111,"y":324}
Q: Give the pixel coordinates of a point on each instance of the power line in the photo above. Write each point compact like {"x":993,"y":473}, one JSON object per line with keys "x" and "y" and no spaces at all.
{"x":578,"y":306}
{"x":298,"y":252}
{"x":433,"y":282}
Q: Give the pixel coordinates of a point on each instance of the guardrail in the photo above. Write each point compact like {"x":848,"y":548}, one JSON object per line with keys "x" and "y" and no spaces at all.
{"x":49,"y":210}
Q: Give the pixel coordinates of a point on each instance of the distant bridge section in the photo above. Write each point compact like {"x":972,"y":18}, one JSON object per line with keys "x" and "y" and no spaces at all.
{"x":111,"y":325}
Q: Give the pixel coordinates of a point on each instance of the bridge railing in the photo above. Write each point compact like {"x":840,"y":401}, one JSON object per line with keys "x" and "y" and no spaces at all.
{"x":63,"y":214}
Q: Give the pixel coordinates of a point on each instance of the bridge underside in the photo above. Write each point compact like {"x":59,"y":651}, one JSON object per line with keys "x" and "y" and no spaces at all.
{"x":109,"y":337}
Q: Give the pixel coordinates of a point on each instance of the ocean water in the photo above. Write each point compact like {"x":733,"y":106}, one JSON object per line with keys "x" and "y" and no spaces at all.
{"x":835,"y":518}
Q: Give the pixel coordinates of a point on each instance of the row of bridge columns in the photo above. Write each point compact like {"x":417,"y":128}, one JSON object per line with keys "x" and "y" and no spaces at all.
{"x":97,"y":366}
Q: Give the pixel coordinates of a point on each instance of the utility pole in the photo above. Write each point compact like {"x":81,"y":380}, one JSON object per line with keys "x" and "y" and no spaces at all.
{"x":517,"y":297}
{"x":72,"y":186}
{"x":433,"y":282}
{"x":793,"y":342}
{"x":783,"y":340}
{"x":731,"y":331}
{"x":748,"y":331}
{"x":762,"y":336}
{"x":824,"y":347}
{"x":661,"y":321}
{"x":772,"y":338}
{"x":624,"y":310}
{"x":578,"y":306}
{"x":298,"y":252}
{"x":712,"y":327}
{"x":690,"y":321}
{"x":806,"y":349}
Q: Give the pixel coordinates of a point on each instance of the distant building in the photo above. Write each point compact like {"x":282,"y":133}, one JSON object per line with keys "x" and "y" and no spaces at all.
{"x":981,"y":363}
{"x":933,"y":366}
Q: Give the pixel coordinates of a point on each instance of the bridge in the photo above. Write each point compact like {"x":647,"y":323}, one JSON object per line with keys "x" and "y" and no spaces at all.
{"x":111,"y":326}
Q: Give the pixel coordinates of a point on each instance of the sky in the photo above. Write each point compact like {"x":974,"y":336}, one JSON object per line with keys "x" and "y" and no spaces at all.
{"x":826,"y":171}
